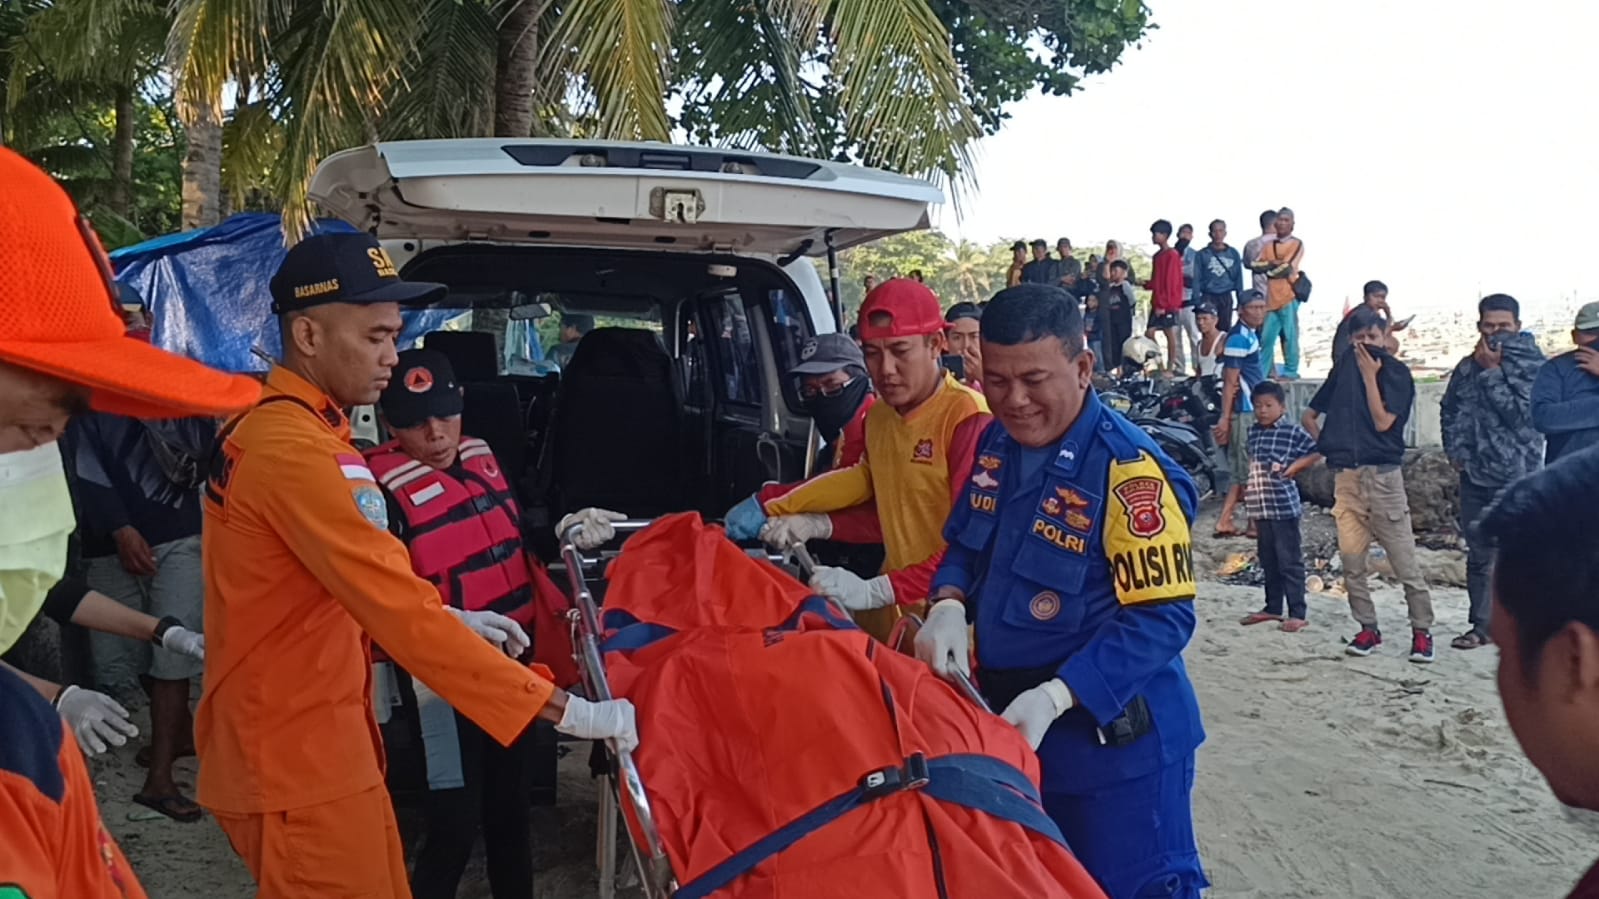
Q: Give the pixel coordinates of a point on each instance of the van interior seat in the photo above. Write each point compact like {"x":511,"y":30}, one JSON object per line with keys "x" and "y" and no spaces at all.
{"x":493,"y":410}
{"x":618,"y":433}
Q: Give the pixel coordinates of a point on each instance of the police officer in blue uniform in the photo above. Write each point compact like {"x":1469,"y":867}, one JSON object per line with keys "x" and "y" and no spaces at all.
{"x":1070,"y":553}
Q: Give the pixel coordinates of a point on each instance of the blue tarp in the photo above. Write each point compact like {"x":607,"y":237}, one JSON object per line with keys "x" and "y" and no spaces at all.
{"x":206,"y":290}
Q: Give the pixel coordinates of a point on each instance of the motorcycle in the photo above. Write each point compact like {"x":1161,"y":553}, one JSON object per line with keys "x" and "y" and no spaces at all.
{"x":1175,"y":412}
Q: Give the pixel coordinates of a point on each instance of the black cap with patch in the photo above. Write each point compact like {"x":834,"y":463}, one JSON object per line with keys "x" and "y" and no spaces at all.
{"x":344,"y":268}
{"x":827,"y":353}
{"x":423,"y":386}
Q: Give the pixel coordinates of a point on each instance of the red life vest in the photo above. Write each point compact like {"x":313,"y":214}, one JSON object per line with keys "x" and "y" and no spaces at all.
{"x":461,"y":526}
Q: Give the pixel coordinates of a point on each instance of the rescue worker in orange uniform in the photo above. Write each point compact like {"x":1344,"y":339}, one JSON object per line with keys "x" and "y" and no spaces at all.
{"x":450,"y":503}
{"x":62,"y":349}
{"x":919,"y":444}
{"x":302,"y":574}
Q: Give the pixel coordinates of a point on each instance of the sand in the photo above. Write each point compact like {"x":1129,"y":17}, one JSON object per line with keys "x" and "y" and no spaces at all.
{"x":1323,"y":775}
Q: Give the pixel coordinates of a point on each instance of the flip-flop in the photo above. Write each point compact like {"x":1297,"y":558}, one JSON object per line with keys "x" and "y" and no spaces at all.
{"x":178,"y":808}
{"x":1470,"y":640}
{"x":1258,"y":618}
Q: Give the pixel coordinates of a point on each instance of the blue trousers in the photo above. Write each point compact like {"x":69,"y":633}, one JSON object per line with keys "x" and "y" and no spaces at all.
{"x":1285,"y":322}
{"x":1136,"y":837}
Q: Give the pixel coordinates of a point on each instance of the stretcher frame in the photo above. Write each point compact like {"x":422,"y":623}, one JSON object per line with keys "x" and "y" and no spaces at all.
{"x":622,"y":793}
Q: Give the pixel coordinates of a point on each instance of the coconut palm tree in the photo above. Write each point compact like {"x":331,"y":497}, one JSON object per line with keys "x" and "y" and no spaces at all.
{"x":342,"y":72}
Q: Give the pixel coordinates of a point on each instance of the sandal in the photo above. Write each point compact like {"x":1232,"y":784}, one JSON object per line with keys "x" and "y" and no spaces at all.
{"x":1470,"y":640}
{"x":1258,"y":618}
{"x":177,"y":807}
{"x":1295,"y":625}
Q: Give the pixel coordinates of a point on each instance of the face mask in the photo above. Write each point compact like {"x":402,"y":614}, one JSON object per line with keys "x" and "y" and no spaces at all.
{"x":832,"y":413}
{"x":35,"y":521}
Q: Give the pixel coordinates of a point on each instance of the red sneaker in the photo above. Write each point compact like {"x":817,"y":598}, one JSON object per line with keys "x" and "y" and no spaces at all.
{"x":1421,"y":647}
{"x":1367,"y":640}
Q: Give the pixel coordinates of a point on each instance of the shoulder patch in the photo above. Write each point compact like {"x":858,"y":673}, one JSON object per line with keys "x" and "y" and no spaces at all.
{"x":1146,"y":534}
{"x":369,"y":499}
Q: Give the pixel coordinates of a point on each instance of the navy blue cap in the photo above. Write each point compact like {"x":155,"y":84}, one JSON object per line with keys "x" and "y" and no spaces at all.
{"x":344,"y":268}
{"x":423,"y":386}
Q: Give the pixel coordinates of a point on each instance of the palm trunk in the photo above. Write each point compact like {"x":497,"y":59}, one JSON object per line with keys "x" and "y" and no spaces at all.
{"x":122,"y":153}
{"x":515,"y":69}
{"x":202,"y":165}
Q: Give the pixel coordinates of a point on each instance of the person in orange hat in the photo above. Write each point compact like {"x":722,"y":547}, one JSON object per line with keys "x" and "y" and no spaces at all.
{"x":919,"y":444}
{"x":302,"y":574}
{"x":62,"y":350}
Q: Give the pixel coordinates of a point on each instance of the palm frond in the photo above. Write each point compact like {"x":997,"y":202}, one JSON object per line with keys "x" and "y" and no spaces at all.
{"x":620,"y":50}
{"x":446,"y":88}
{"x":252,"y":142}
{"x":899,"y":88}
{"x":213,"y":41}
{"x":740,"y":74}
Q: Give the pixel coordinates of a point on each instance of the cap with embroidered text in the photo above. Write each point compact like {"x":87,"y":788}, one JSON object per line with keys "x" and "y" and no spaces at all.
{"x":344,"y":268}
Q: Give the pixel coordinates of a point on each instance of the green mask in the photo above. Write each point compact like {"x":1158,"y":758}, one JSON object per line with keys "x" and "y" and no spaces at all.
{"x":35,"y":521}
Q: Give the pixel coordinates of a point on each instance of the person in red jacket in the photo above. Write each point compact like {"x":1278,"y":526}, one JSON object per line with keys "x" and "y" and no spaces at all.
{"x":837,"y":393}
{"x":1166,"y":285}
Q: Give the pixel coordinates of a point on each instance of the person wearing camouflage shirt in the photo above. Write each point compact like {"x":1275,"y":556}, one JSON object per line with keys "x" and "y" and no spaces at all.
{"x":1488,"y":435}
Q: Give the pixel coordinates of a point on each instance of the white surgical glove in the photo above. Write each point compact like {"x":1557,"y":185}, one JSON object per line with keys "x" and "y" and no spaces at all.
{"x":594,"y":527}
{"x":943,"y":642}
{"x":1035,"y":710}
{"x":785,"y":531}
{"x":183,"y":641}
{"x":613,"y":719}
{"x":495,"y":628}
{"x":851,"y":591}
{"x":96,"y":719}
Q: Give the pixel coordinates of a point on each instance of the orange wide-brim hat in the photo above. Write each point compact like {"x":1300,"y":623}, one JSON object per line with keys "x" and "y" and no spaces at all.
{"x":59,"y":314}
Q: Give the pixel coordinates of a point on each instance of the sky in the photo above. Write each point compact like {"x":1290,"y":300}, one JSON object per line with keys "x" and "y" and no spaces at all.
{"x":1448,"y":149}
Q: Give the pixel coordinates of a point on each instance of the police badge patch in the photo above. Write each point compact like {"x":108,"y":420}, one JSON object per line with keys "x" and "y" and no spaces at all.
{"x":1140,"y":497}
{"x":1044,"y":606}
{"x":370,"y":501}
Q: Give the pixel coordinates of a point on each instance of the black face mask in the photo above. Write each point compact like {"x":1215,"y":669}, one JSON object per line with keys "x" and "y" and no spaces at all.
{"x":832,"y":413}
{"x":1182,"y":244}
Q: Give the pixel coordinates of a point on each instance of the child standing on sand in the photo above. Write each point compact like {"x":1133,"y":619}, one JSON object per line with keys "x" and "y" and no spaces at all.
{"x":1279,"y":450}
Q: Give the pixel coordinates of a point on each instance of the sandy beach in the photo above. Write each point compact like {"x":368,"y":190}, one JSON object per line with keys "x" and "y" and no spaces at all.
{"x":1323,"y":775}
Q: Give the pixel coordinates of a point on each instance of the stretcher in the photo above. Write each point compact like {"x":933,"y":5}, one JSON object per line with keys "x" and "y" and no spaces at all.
{"x":976,"y":780}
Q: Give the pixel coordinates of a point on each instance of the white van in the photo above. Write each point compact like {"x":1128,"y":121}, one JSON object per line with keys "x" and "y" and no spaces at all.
{"x":695,"y":261}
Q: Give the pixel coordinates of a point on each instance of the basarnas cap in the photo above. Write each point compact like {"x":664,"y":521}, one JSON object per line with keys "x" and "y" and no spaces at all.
{"x":963,"y":310}
{"x":60,"y":312}
{"x":827,"y":353}
{"x":911,"y":307}
{"x":1588,"y":317}
{"x":344,"y":268}
{"x":423,"y":386}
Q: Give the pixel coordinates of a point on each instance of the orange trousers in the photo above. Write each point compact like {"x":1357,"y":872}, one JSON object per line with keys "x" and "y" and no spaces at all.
{"x":346,"y":849}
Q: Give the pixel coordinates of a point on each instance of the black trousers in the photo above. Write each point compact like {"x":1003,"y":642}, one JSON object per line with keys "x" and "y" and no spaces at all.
{"x":1224,"y":309}
{"x":494,"y":802}
{"x":1475,"y":500}
{"x":1283,"y":561}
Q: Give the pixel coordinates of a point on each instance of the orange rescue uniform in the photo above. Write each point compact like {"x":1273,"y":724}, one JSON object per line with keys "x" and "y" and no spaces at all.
{"x":301,"y":574}
{"x":52,"y":843}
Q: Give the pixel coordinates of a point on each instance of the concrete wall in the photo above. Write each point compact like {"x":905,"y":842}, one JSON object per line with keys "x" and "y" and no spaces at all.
{"x":1421,"y":429}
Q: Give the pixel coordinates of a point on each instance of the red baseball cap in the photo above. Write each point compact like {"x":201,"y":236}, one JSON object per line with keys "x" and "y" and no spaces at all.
{"x":59,"y":312}
{"x":912,"y":309}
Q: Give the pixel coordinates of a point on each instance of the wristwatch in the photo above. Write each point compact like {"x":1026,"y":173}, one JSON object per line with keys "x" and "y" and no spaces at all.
{"x":167,"y":623}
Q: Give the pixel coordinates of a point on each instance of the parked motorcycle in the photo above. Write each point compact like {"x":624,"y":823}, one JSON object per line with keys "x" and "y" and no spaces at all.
{"x":1176,"y":412}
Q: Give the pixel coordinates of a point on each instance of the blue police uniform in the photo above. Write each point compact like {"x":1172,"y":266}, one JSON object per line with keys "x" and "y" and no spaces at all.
{"x":1075,"y":559}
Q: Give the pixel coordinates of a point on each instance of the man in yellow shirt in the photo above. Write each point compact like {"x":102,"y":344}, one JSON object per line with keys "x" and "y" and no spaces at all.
{"x":920,"y":440}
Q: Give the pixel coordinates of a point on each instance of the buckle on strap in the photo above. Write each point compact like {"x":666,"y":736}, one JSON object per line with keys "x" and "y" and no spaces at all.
{"x":891,"y":780}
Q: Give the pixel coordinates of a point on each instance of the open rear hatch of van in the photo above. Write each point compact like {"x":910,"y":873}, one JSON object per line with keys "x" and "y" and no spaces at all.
{"x":599,"y":193}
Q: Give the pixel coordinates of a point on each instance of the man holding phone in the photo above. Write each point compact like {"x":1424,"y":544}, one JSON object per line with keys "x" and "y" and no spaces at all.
{"x":1489,"y":437}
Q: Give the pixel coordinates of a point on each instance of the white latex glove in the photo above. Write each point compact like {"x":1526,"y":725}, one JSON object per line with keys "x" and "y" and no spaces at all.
{"x":610,"y":720}
{"x":1035,"y":710}
{"x":943,"y":642}
{"x":851,"y":591}
{"x":495,"y":628}
{"x":785,"y":531}
{"x":594,"y":527}
{"x":183,"y":641}
{"x":96,"y":719}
